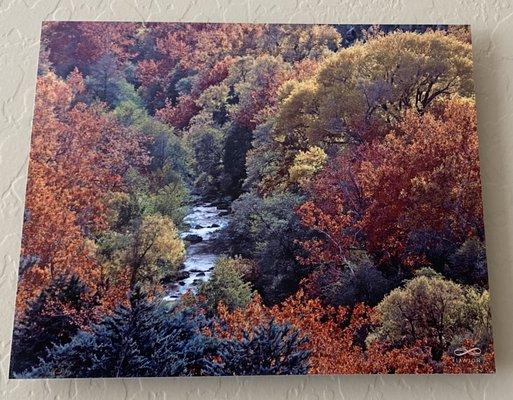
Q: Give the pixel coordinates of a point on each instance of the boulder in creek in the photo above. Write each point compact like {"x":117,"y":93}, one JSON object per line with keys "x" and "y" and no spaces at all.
{"x":175,"y":276}
{"x":193,"y":238}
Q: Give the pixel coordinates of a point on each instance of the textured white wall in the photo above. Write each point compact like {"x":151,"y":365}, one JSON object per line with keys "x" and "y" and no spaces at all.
{"x":492,"y":26}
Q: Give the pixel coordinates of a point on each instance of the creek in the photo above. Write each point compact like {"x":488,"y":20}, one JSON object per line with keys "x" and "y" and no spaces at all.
{"x":204,"y":221}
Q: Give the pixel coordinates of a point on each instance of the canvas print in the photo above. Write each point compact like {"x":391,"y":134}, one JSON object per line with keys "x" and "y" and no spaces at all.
{"x":252,"y":199}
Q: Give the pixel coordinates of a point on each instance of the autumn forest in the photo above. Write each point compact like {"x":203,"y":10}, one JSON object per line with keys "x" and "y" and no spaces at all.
{"x":251,"y":199}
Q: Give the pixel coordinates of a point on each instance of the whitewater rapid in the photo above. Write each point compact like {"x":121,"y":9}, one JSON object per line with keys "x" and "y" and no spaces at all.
{"x":205,"y":221}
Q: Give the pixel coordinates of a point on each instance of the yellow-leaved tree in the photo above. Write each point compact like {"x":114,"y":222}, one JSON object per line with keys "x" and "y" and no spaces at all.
{"x":362,"y":91}
{"x":375,"y":82}
{"x":156,"y":249}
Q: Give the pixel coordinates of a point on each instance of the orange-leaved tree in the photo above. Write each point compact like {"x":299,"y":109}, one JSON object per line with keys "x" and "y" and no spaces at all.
{"x":78,"y":155}
{"x":402,"y":195}
{"x":336,"y":336}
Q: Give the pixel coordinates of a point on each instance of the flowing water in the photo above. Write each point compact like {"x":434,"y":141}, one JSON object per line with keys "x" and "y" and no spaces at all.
{"x":204,"y":220}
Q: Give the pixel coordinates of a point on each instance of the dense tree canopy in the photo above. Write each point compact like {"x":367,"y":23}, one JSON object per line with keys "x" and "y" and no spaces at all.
{"x":413,"y":196}
{"x":339,"y":164}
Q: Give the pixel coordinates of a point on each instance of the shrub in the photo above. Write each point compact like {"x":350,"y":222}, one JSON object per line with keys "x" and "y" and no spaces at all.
{"x":226,"y":285}
{"x":434,"y":310}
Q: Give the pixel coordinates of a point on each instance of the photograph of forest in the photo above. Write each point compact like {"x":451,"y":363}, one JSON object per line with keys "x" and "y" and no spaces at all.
{"x":252,"y":199}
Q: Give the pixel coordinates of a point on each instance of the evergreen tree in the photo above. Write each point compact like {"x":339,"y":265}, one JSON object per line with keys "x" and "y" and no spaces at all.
{"x":271,"y":349}
{"x":47,"y":321}
{"x":236,"y":145}
{"x":107,"y":82}
{"x":142,"y":339}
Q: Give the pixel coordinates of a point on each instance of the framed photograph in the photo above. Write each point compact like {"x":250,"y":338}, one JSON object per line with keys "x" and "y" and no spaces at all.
{"x":252,"y":199}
